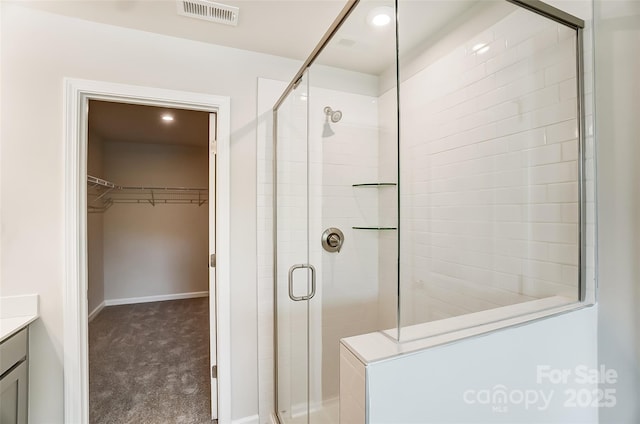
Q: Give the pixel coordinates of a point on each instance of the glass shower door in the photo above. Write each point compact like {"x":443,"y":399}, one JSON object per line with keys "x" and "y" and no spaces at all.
{"x":295,"y":277}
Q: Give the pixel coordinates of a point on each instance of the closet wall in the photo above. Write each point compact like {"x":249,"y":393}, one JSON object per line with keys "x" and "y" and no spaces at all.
{"x":155,"y":250}
{"x":139,"y":252}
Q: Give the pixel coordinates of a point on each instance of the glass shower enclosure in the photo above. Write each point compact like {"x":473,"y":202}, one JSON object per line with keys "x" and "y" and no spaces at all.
{"x":428,"y":165}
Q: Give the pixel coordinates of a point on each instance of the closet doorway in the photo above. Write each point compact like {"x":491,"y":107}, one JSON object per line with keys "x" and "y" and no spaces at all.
{"x":77,"y":94}
{"x":151,"y":214}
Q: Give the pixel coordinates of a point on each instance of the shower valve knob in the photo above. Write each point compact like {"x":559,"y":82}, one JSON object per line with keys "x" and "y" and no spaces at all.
{"x":332,"y":239}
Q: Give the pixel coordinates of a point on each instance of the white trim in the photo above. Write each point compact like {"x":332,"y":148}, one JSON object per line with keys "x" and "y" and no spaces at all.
{"x":212,"y":274}
{"x":223,"y":260}
{"x":93,"y":314}
{"x":157,"y":298}
{"x":252,"y":419}
{"x":76,"y":96}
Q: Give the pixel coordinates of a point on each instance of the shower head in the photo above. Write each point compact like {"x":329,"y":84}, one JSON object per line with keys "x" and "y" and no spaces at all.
{"x":335,"y":115}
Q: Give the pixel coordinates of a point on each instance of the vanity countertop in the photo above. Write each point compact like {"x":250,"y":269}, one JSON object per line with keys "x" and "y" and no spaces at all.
{"x":16,"y":312}
{"x":10,"y":326}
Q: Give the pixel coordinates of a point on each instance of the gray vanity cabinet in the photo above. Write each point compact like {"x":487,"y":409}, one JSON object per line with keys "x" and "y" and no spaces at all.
{"x":14,"y":379}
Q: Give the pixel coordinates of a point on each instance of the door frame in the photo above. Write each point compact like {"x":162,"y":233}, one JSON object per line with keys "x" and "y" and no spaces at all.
{"x":77,"y":93}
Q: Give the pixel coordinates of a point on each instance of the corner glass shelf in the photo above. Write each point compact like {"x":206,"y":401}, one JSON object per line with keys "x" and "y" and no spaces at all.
{"x":375,"y":185}
{"x":375,"y":228}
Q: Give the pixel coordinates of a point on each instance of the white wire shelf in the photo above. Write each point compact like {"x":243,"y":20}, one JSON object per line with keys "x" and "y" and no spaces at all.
{"x":103,"y":194}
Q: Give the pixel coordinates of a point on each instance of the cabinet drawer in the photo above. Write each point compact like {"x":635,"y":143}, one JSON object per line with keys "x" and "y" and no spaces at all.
{"x":13,"y":350}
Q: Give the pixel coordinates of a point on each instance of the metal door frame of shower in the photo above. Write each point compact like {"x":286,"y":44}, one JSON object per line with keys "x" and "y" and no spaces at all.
{"x":536,"y":6}
{"x":577,"y":24}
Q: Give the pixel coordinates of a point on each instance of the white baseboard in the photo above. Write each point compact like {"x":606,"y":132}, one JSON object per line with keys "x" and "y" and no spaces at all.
{"x":96,"y":311}
{"x":158,"y":298}
{"x":252,"y":419}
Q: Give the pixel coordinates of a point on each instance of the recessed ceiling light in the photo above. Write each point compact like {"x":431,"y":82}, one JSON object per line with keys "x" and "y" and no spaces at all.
{"x":380,"y":16}
{"x":167,"y":118}
{"x":381,"y":20}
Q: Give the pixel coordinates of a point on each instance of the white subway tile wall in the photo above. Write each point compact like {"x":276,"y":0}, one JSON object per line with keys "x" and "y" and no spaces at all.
{"x":489,"y":172}
{"x":347,"y":295}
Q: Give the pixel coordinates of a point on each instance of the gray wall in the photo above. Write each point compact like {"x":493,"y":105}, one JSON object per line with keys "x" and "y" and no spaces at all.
{"x":617,"y":66}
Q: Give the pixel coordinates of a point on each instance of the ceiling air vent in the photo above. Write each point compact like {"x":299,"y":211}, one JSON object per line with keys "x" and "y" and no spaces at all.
{"x":209,"y":11}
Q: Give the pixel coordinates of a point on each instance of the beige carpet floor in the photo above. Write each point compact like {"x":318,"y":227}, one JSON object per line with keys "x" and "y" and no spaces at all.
{"x":149,"y":363}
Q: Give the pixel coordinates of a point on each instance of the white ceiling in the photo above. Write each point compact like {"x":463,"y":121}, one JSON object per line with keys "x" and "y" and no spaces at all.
{"x":359,"y":47}
{"x":288,"y":28}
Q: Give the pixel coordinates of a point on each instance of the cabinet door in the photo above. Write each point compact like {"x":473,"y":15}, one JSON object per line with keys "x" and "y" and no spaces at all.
{"x":13,"y":396}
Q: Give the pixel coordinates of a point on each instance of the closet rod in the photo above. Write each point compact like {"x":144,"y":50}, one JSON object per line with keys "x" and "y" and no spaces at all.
{"x":104,"y":183}
{"x":103,"y":194}
{"x":99,"y":182}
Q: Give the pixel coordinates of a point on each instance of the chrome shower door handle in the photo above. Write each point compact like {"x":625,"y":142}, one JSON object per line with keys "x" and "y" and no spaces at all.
{"x":313,"y":282}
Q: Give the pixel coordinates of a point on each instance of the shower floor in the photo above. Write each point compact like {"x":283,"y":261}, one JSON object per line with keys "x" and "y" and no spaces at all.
{"x":329,"y":413}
